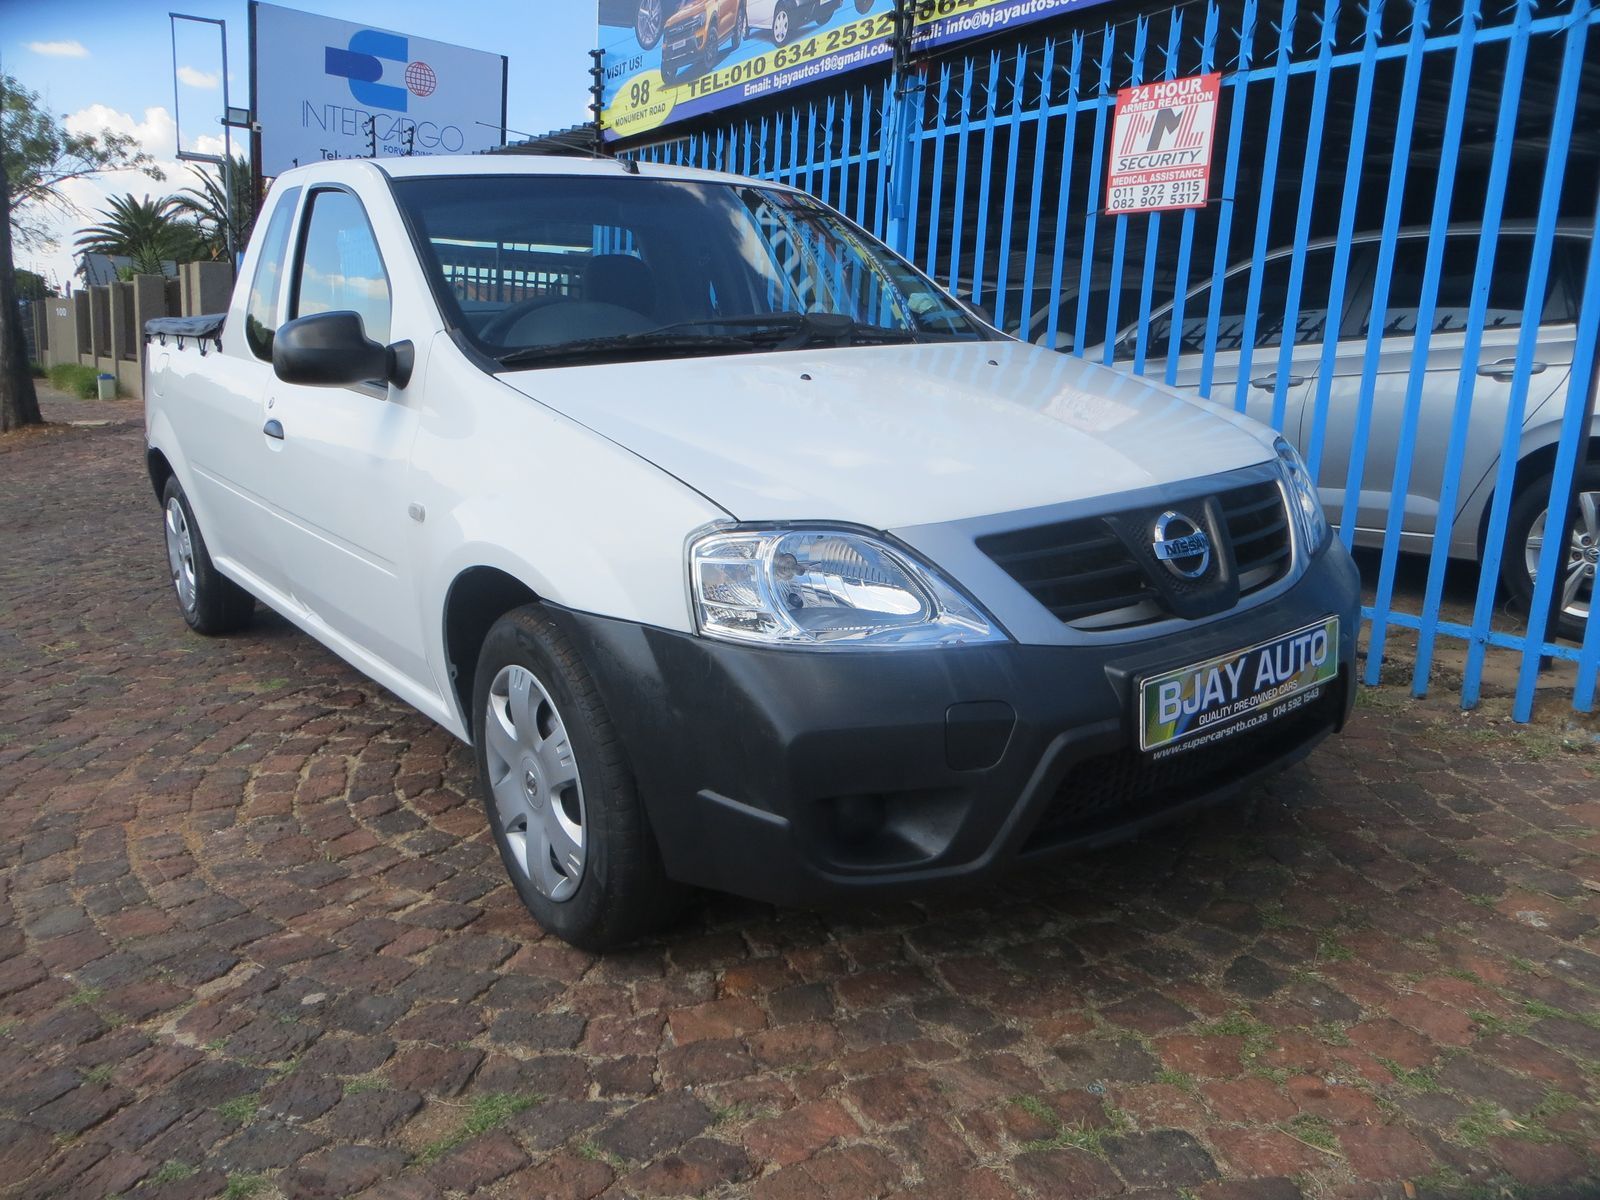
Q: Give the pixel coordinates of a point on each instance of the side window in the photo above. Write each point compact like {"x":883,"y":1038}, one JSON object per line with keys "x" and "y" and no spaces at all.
{"x":340,"y":267}
{"x":1507,"y":286}
{"x":261,"y":311}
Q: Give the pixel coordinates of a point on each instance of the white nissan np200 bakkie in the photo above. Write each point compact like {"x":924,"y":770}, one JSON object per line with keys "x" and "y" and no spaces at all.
{"x":742,"y":555}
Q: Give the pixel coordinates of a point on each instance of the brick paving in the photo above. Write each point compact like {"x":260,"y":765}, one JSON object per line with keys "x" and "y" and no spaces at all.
{"x":254,"y":941}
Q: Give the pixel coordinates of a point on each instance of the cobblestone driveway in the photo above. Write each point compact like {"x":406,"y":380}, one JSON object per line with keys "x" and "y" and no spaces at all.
{"x":254,"y":941}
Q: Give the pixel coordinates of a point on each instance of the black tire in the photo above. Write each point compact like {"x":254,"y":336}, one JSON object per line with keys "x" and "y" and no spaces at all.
{"x":642,"y":30}
{"x":1527,"y":510}
{"x":741,"y":27}
{"x":669,"y":73}
{"x":785,"y":17}
{"x":211,"y":603}
{"x":864,"y":6}
{"x":621,"y":892}
{"x":825,"y":10}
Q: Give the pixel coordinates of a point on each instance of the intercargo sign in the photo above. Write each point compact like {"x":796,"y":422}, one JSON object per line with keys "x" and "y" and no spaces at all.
{"x":324,"y":89}
{"x":670,"y":60}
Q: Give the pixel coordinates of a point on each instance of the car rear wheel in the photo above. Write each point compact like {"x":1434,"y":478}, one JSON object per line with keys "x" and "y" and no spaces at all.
{"x":741,"y":27}
{"x":558,"y":792}
{"x":1525,"y":536}
{"x":648,"y":22}
{"x":211,"y":603}
{"x":783,"y":23}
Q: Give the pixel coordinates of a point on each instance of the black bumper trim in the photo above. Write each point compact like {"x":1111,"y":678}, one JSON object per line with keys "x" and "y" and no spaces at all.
{"x":760,"y":769}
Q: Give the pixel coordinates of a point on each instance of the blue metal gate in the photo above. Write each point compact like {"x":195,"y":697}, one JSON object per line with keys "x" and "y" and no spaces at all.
{"x":1407,"y":189}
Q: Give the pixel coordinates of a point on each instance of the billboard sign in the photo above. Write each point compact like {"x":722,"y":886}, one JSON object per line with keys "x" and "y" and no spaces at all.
{"x":323,"y":88}
{"x":1161,"y":143}
{"x":669,"y":60}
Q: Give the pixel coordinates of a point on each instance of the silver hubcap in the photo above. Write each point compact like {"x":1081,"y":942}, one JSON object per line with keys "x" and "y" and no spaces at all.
{"x":648,"y":23}
{"x":780,"y":27}
{"x":1583,"y":555}
{"x":180,"y":555}
{"x":533,"y":774}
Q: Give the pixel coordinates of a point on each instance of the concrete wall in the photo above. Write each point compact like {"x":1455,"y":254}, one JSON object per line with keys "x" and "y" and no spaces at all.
{"x":61,"y":334}
{"x":207,"y":287}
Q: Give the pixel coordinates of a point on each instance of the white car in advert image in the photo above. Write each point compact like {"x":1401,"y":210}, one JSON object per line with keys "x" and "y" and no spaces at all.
{"x":742,"y":555}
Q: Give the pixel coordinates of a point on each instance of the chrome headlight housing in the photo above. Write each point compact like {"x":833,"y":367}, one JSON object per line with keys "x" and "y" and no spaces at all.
{"x":823,"y":588}
{"x":1311,"y":521}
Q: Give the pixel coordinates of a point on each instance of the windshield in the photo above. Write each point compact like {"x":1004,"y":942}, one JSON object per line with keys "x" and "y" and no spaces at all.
{"x":553,"y":269}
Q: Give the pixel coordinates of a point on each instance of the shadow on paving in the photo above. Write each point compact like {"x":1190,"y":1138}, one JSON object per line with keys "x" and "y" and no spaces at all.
{"x":254,"y":941}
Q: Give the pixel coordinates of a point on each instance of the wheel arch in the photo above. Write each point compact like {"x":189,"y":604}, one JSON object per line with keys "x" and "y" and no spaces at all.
{"x":477,"y":597}
{"x":160,"y":470}
{"x":1533,"y":462}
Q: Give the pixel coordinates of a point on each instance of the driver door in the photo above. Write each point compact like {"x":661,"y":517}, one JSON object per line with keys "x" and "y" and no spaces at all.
{"x":343,"y":454}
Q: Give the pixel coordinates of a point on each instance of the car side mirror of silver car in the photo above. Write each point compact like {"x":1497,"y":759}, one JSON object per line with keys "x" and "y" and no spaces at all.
{"x":332,"y":350}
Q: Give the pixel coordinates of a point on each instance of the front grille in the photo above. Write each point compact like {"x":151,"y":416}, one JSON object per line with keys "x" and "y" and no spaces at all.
{"x":1258,"y":530}
{"x":1129,"y":786}
{"x":1088,"y":573}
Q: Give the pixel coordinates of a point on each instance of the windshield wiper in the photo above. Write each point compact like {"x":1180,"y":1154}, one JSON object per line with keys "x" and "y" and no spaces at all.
{"x":774,"y":331}
{"x":662,"y":340}
{"x":803,"y":329}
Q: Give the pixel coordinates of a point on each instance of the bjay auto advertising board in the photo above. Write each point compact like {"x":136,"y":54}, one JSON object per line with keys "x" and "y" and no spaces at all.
{"x":669,"y":60}
{"x":325,"y":89}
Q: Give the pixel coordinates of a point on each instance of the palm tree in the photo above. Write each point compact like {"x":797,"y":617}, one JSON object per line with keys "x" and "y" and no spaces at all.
{"x":208,"y":207}
{"x":147,"y":231}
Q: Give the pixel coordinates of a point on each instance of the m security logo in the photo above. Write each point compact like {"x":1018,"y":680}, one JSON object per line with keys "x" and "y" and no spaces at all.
{"x":361,"y":65}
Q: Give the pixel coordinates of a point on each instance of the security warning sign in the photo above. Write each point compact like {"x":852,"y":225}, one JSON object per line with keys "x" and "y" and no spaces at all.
{"x":1161,"y":142}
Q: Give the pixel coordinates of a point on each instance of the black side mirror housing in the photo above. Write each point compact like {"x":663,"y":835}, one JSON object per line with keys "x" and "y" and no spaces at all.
{"x":332,"y":350}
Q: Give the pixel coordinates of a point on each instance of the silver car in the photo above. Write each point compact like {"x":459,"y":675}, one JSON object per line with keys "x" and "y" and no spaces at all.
{"x":1547,"y":389}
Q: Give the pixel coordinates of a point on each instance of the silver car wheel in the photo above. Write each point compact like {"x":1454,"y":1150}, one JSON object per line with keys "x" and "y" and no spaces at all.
{"x":1583,"y":554}
{"x":780,"y":26}
{"x":180,"y":555}
{"x":647,"y":24}
{"x":533,"y":774}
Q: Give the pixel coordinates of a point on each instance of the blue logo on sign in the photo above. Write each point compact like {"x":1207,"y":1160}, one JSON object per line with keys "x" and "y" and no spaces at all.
{"x":362,"y":65}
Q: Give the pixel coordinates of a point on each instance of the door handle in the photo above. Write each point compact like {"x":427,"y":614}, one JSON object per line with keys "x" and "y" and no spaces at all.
{"x":1268,"y":382}
{"x":1501,"y":369}
{"x":273,"y":429}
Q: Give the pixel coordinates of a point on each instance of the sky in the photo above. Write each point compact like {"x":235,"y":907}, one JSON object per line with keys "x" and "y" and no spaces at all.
{"x":109,"y":64}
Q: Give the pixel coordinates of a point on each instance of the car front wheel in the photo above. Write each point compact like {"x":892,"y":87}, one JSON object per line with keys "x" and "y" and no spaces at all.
{"x":211,"y":603}
{"x":1525,"y":537}
{"x":558,"y":792}
{"x":648,"y":22}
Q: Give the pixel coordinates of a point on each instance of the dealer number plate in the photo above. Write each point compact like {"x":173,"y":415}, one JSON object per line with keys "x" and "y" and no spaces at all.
{"x":1197,"y":705}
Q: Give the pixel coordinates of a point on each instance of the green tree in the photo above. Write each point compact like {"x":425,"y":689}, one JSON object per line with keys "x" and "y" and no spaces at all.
{"x":148,"y":231}
{"x":38,"y":155}
{"x":209,"y":208}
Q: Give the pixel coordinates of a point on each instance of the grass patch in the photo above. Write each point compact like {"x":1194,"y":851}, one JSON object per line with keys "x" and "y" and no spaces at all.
{"x":79,"y":380}
{"x":1313,"y":1131}
{"x":240,"y":1187}
{"x":483,"y":1114}
{"x":1418,"y":1079}
{"x":1258,"y":1036}
{"x":1178,"y":1079}
{"x":365,"y":1083}
{"x":1539,"y":1010}
{"x":1490,"y":1024}
{"x":1079,"y":1135}
{"x":588,"y":1149}
{"x":7,"y":1028}
{"x":1482,"y":901}
{"x":241,"y":1108}
{"x":85,"y":996}
{"x":172,"y":1171}
{"x":1273,"y":915}
{"x":100,"y":1074}
{"x":1331,"y":949}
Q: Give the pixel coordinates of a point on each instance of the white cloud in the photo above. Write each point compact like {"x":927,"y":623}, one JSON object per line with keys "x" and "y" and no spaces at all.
{"x":190,"y":77}
{"x":156,"y":134}
{"x":72,"y":49}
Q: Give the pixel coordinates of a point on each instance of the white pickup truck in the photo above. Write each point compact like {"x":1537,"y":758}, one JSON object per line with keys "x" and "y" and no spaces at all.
{"x":744,"y":556}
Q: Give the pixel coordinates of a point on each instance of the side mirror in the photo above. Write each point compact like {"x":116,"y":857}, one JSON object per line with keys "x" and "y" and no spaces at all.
{"x":333,"y":350}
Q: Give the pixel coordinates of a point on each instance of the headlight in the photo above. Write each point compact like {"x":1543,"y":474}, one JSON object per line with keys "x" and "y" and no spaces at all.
{"x":825,"y":588}
{"x":1313,"y":522}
